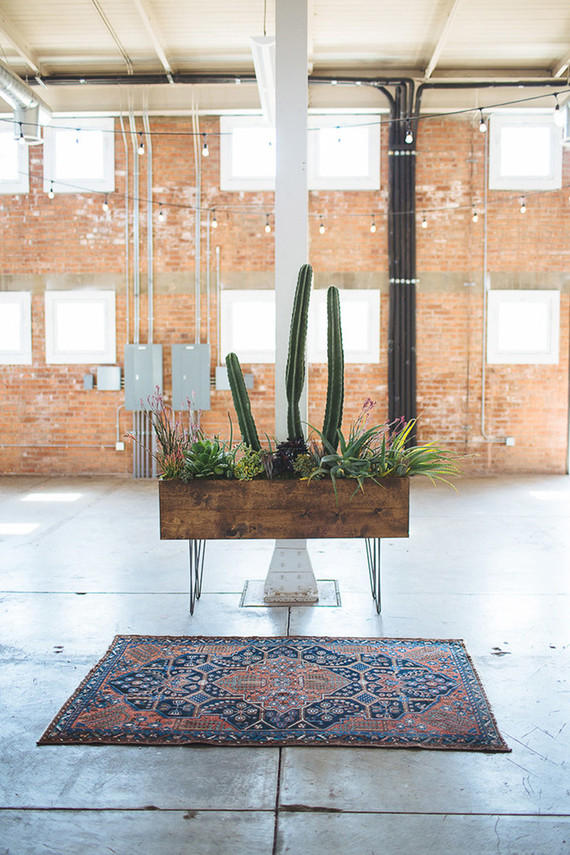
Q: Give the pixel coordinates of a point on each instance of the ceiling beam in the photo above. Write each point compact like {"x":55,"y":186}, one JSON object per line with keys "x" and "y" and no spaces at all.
{"x":114,"y":36}
{"x":443,"y":36}
{"x":149,"y":22}
{"x":560,"y":67}
{"x":8,"y":30}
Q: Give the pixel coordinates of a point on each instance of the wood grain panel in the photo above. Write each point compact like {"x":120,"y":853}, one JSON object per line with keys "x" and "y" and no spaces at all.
{"x":212,"y":510}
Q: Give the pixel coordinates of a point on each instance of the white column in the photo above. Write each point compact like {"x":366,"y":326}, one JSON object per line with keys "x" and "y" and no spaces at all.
{"x":291,"y":198}
{"x":290,"y":578}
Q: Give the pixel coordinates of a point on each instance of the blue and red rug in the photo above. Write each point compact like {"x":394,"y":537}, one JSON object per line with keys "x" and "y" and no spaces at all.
{"x":384,"y":692}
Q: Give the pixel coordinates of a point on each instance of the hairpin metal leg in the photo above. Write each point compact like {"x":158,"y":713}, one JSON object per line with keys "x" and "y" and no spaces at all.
{"x":196,"y":551}
{"x":373,"y":558}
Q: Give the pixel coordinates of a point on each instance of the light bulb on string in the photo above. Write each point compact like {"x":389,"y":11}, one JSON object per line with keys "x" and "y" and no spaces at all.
{"x":409,"y":138}
{"x":160,"y":213}
{"x":140,"y":149}
{"x":51,"y":192}
{"x":105,"y":205}
{"x":267,"y":224}
{"x":474,"y":215}
{"x":214,"y":220}
{"x":22,"y":138}
{"x":205,"y":149}
{"x":322,"y":227}
{"x":482,"y":123}
{"x":523,"y":205}
{"x":558,"y":117}
{"x":76,"y":136}
{"x":373,"y":225}
{"x":424,"y":222}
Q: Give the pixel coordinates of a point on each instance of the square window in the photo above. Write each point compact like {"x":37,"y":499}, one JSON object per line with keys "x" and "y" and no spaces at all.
{"x":79,"y":155}
{"x":525,"y":152}
{"x":360,"y":320}
{"x":523,"y":327}
{"x":15,"y":328}
{"x":248,"y":325}
{"x":14,"y":162}
{"x":247,"y":154}
{"x":344,"y":152}
{"x":80,"y":327}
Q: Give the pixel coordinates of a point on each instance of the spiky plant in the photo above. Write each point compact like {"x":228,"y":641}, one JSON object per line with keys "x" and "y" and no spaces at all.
{"x":335,"y":357}
{"x":295,"y":370}
{"x":241,"y":402}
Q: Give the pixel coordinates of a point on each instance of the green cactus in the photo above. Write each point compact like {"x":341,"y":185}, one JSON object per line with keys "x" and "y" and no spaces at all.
{"x":241,"y":402}
{"x":295,"y":371}
{"x":335,"y":355}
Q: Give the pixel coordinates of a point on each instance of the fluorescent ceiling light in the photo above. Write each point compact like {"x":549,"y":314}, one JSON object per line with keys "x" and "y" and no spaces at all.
{"x":51,"y":497}
{"x":18,"y":528}
{"x":263,"y":50}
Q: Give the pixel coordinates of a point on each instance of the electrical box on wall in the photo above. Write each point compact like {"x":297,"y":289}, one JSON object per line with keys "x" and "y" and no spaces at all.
{"x":191,"y":376}
{"x":143,"y":373}
{"x":109,"y":378}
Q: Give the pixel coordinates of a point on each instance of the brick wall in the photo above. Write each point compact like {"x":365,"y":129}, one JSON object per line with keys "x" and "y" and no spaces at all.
{"x":50,"y":424}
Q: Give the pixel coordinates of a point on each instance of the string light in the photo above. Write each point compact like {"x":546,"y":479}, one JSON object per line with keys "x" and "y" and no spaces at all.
{"x":160,"y":213}
{"x":140,"y":149}
{"x":373,"y":225}
{"x":409,"y":138}
{"x":267,"y":224}
{"x":474,"y":215}
{"x":424,"y":222}
{"x":558,"y":117}
{"x":105,"y":205}
{"x":214,"y":220}
{"x":22,"y":138}
{"x":51,"y":193}
{"x":76,"y":136}
{"x":205,"y":150}
{"x":482,"y":123}
{"x":322,"y":227}
{"x":523,"y":205}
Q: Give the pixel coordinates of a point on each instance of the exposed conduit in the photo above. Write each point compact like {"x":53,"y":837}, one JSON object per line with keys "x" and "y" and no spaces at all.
{"x":149,"y":229}
{"x":127,"y":234}
{"x":218,"y":307}
{"x":197,"y":259}
{"x":136,"y":250}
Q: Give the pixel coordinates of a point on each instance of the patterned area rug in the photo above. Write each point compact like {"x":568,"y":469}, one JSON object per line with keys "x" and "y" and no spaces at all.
{"x":385,"y":692}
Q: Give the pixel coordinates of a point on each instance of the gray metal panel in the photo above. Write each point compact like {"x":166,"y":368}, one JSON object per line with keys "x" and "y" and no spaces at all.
{"x":191,"y":376}
{"x":143,"y":373}
{"x":109,"y":377}
{"x":223,"y":383}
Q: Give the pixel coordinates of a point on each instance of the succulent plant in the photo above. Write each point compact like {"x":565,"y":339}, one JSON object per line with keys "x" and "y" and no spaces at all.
{"x":250,"y":465}
{"x":285,"y":455}
{"x":207,"y":458}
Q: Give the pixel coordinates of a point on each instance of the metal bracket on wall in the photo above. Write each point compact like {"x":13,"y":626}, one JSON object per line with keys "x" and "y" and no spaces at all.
{"x":373,"y":558}
{"x":196,"y":552}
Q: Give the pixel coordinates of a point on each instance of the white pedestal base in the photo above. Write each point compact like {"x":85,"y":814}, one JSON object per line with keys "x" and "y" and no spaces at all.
{"x":290,"y":578}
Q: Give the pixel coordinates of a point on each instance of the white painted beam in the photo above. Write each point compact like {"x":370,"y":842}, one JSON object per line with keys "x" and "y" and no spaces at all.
{"x":151,"y":27}
{"x":291,"y":193}
{"x":15,"y":38}
{"x":561,"y":66}
{"x":442,"y":39}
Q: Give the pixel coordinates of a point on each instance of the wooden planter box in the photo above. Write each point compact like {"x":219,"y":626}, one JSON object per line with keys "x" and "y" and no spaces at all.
{"x":212,"y":510}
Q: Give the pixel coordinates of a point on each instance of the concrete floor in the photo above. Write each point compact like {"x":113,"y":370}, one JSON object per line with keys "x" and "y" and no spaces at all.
{"x":489,"y":564}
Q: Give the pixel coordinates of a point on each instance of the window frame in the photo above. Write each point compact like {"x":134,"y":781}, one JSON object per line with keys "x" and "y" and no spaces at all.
{"x":370,"y":181}
{"x":23,"y":356}
{"x":108,"y":355}
{"x":501,"y":181}
{"x":498,"y":298}
{"x":318,"y":326}
{"x":22,"y":183}
{"x":230,"y":296}
{"x":80,"y":185}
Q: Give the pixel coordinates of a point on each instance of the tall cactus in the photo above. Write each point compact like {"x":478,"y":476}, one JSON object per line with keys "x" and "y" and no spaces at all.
{"x":295,"y":371}
{"x":241,"y":402}
{"x":335,"y":355}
